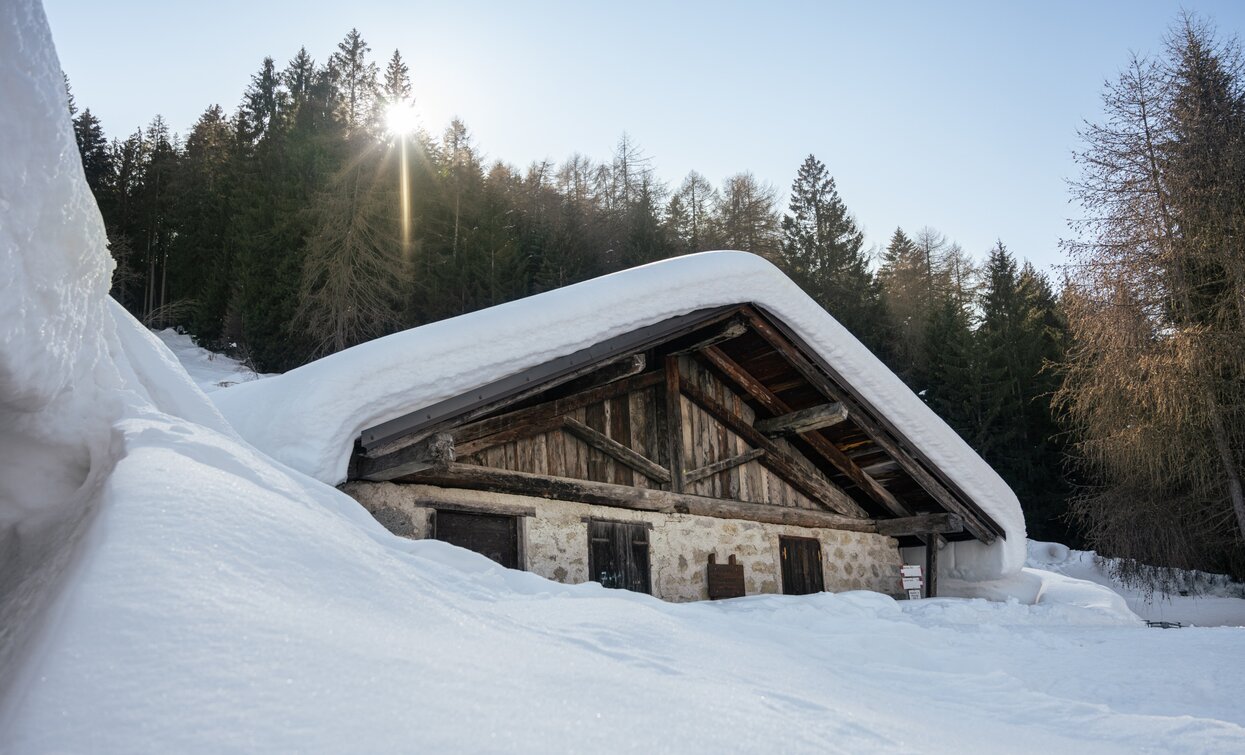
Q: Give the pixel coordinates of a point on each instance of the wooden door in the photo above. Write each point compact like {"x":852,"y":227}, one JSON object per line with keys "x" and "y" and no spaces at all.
{"x":489,"y":535}
{"x":618,"y":555}
{"x":801,"y":565}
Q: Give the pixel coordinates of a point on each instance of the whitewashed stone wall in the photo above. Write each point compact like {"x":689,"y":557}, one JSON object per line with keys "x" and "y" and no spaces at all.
{"x":554,"y":541}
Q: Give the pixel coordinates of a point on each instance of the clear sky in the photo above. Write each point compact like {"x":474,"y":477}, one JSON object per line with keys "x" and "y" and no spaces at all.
{"x":959,"y":116}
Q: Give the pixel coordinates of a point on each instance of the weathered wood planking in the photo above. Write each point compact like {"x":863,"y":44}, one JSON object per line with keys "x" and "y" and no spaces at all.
{"x":634,"y":420}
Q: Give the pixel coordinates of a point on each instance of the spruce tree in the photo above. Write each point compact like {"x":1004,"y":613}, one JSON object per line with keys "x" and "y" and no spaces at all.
{"x":397,"y":82}
{"x":823,"y":251}
{"x":354,"y":79}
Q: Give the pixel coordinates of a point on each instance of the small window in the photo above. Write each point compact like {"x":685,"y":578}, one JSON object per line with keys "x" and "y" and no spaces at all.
{"x":618,"y":555}
{"x":801,"y":565}
{"x":492,"y":535}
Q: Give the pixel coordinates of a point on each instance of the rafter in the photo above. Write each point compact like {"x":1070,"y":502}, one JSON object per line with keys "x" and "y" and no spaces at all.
{"x":830,"y":452}
{"x":775,"y":458}
{"x":876,"y":433}
{"x":803,"y":420}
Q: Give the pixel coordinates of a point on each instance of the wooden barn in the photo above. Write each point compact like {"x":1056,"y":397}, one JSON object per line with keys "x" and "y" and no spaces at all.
{"x":712,"y":454}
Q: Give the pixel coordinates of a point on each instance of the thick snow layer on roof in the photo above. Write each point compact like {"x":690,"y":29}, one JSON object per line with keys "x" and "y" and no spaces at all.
{"x":309,"y":417}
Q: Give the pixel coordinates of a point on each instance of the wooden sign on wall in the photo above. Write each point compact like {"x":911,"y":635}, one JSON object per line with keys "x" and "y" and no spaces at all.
{"x":725,"y":580}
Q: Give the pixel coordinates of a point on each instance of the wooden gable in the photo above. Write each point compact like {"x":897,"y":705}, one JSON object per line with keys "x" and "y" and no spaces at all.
{"x":719,"y":413}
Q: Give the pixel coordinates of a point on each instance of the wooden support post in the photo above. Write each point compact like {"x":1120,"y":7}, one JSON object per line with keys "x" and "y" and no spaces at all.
{"x":932,"y":541}
{"x":674,"y":424}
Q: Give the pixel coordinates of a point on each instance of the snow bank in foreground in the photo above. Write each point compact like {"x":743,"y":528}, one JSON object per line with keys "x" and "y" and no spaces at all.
{"x":1216,"y":602}
{"x":309,"y":417}
{"x":56,"y":405}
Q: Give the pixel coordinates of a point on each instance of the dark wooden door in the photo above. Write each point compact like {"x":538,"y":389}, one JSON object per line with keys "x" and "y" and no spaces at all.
{"x":490,"y":535}
{"x":618,"y":555}
{"x":801,"y":565}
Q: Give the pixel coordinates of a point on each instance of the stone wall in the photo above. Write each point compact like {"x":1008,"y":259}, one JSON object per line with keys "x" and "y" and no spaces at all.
{"x":554,"y":540}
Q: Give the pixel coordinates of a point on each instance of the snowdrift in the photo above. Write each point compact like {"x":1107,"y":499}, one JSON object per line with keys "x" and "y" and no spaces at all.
{"x":169,"y":588}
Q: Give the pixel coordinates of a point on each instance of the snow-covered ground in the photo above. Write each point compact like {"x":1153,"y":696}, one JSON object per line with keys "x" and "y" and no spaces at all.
{"x":209,"y":370}
{"x":166,"y":587}
{"x":1212,"y":600}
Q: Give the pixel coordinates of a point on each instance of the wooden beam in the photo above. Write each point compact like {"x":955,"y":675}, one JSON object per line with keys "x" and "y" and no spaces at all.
{"x":674,"y":424}
{"x":828,"y":451}
{"x":921,"y":524}
{"x":610,"y":373}
{"x":616,"y":450}
{"x":744,"y":379}
{"x":434,"y":452}
{"x":608,"y":370}
{"x":709,"y":470}
{"x":804,"y":420}
{"x":556,"y":408}
{"x":877,"y":434}
{"x":733,"y":328}
{"x":626,"y":497}
{"x":526,"y":428}
{"x":777,"y":460}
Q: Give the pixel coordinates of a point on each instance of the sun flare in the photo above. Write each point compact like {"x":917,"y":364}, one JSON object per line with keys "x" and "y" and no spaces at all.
{"x":400,"y":118}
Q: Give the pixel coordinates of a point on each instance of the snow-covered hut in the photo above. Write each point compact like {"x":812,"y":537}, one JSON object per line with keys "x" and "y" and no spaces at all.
{"x":694,"y":428}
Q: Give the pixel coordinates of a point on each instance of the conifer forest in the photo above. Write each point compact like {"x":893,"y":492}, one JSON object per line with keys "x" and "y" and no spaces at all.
{"x":1110,"y":394}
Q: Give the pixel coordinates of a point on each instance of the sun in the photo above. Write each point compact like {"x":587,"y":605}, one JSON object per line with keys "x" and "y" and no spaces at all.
{"x":400,"y":118}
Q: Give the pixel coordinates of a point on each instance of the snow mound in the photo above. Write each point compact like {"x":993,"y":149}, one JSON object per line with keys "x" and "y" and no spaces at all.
{"x":1195,"y":598}
{"x":309,"y":417}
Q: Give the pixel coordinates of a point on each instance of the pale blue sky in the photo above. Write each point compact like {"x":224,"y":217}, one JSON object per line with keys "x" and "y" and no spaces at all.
{"x":959,"y":116}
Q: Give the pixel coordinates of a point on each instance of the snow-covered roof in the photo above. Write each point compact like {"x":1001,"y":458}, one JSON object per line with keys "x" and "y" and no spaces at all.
{"x":310,"y":417}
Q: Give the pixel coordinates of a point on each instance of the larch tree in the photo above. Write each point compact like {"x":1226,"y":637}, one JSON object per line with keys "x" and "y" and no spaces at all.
{"x":746,"y":215}
{"x":1154,"y":384}
{"x":354,"y":275}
